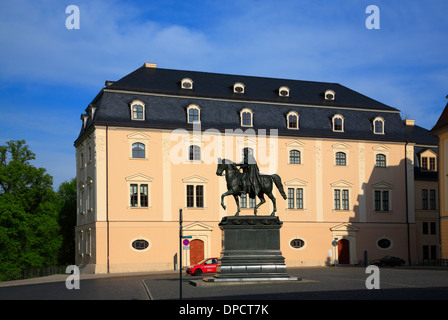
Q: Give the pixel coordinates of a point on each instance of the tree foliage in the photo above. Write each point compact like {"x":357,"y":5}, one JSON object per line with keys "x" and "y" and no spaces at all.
{"x":29,"y":208}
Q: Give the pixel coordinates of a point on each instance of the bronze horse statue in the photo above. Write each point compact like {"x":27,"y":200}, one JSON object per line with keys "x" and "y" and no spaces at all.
{"x":235,"y":188}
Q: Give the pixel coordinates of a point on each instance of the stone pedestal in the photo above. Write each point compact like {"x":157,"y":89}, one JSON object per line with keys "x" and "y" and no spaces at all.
{"x":251,"y":250}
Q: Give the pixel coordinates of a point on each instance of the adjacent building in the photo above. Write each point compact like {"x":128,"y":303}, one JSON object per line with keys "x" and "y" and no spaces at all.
{"x":440,"y":130}
{"x":149,"y":146}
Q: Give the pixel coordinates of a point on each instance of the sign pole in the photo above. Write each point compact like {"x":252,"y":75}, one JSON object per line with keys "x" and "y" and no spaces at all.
{"x":180,"y":254}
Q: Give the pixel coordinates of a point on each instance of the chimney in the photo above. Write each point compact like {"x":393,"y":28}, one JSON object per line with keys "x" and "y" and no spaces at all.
{"x":150,"y":65}
{"x":409,"y":122}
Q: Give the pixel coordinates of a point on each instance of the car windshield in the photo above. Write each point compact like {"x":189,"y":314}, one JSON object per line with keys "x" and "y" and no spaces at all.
{"x":208,"y":262}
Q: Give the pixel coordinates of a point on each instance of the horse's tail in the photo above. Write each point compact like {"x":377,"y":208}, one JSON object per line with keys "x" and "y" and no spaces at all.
{"x":279,"y":185}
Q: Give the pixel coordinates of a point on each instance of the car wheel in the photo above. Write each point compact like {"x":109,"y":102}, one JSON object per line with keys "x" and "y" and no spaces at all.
{"x":197,"y":272}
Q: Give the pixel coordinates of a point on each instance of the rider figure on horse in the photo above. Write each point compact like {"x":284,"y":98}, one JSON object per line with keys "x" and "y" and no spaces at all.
{"x":250,"y":179}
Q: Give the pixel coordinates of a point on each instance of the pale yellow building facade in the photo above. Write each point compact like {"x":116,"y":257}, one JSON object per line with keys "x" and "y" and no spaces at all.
{"x":349,"y":199}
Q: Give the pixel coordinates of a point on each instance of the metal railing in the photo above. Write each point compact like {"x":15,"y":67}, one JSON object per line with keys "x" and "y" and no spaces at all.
{"x":35,"y":273}
{"x":436,"y":262}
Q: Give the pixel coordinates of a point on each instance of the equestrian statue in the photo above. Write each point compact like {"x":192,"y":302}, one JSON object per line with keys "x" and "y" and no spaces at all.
{"x":249,"y":182}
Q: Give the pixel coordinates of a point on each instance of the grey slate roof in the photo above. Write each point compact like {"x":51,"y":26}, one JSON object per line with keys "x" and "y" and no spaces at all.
{"x":166,"y":105}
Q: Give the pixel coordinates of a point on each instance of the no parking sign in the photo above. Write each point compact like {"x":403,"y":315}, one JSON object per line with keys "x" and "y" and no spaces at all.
{"x":186,"y":244}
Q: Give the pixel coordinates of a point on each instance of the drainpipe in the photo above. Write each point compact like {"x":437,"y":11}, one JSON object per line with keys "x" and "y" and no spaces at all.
{"x":107,"y":197}
{"x":407,"y":206}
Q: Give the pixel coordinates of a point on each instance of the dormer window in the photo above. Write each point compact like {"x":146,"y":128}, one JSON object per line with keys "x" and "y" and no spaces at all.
{"x":378,"y":125}
{"x":137,"y":110}
{"x":330,"y":95}
{"x":238,"y":87}
{"x":338,"y":123}
{"x":186,"y":83}
{"x":283,"y":91}
{"x":193,"y":114}
{"x":246,"y":116}
{"x":292,"y":120}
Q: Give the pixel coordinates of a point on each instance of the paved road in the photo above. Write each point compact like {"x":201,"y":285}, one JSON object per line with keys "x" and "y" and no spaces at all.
{"x":343,"y":283}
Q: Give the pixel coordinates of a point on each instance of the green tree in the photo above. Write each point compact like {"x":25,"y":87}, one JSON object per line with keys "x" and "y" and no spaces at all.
{"x":67,"y":221}
{"x":29,"y":230}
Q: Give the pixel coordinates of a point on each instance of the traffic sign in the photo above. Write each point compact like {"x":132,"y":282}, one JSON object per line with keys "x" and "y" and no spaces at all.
{"x":186,"y":242}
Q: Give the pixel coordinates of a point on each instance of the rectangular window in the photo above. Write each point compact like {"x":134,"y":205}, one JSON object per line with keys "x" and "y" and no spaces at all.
{"x":381,"y":200}
{"x":345,"y":202}
{"x":426,"y":252}
{"x":134,"y":195}
{"x":424,"y":199}
{"x":424,"y":163}
{"x":299,"y":198}
{"x":432,"y":227}
{"x":243,"y":201}
{"x":385,"y":200}
{"x":295,"y":198}
{"x":143,"y":195}
{"x":190,"y":196}
{"x":337,"y":199}
{"x":252,"y":202}
{"x":290,"y":198}
{"x":432,"y":199}
{"x":200,"y":196}
{"x":377,"y":200}
{"x":432,"y":164}
{"x":425,"y":228}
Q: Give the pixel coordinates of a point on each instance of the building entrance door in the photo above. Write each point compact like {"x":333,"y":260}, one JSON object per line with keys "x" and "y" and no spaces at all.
{"x":344,"y":251}
{"x":196,"y":251}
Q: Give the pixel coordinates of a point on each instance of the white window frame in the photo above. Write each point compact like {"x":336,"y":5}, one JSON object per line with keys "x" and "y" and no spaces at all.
{"x":238,"y":85}
{"x":329,"y":91}
{"x":135,"y":103}
{"x":338,"y":116}
{"x":195,"y":181}
{"x":138,"y":179}
{"x":186,"y":81}
{"x":382,"y":186}
{"x":193,"y":107}
{"x":381,"y":119}
{"x":247,"y":110}
{"x":342,"y":185}
{"x":283,"y":88}
{"x":292,"y":113}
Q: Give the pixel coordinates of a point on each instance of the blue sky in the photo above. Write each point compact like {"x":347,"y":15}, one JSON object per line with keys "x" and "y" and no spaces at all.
{"x":49,"y":74}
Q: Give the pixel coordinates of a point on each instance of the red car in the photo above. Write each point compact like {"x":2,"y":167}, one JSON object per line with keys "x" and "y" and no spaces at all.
{"x":205,"y":266}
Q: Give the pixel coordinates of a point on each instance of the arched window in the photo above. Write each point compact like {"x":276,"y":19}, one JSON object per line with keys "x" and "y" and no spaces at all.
{"x":138,"y":150}
{"x":246,"y":117}
{"x":338,"y":123}
{"x":378,"y":125}
{"x":294,"y":157}
{"x":292,"y":119}
{"x":380,"y":160}
{"x":194,"y":153}
{"x":341,"y":159}
{"x":137,"y":110}
{"x":193,"y":115}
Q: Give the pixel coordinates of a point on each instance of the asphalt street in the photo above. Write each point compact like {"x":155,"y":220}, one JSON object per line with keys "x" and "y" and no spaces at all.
{"x":326,"y":283}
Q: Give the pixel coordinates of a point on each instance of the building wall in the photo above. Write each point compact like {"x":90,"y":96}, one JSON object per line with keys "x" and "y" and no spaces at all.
{"x":109,"y":225}
{"x":443,"y":185}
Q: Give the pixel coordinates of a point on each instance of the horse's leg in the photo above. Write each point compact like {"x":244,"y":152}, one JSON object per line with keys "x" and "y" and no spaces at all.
{"x":237,"y":200}
{"x":222,"y":198}
{"x":261,"y":197}
{"x":271,"y":196}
